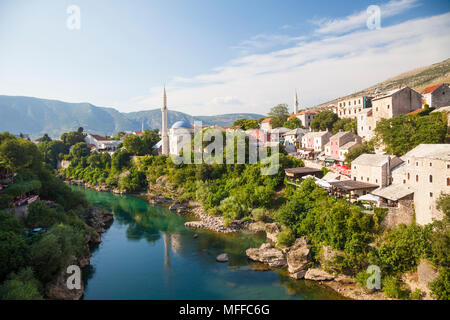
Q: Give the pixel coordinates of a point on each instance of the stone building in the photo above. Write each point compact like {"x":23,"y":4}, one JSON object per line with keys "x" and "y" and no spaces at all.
{"x":425,"y":172}
{"x":293,"y":139}
{"x":349,"y":108}
{"x":374,"y":168}
{"x":265,"y":125}
{"x":387,"y":106}
{"x":437,"y":95}
{"x":305,"y":117}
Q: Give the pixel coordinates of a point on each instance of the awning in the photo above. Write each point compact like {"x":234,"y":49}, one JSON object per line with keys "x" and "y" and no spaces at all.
{"x":393,"y":192}
{"x":329,"y":160}
{"x":369,"y":197}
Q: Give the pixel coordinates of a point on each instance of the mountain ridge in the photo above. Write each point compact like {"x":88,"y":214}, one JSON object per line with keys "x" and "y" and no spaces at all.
{"x":36,"y":116}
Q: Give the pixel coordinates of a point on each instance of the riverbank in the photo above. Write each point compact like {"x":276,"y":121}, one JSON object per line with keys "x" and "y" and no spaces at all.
{"x":98,"y":220}
{"x":162,"y":193}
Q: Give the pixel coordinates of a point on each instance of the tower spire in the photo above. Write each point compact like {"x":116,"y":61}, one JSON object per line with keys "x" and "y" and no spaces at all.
{"x":295,"y":103}
{"x":164,"y":134}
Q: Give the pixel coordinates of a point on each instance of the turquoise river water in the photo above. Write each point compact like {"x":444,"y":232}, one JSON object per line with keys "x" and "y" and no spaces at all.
{"x":147,"y":253}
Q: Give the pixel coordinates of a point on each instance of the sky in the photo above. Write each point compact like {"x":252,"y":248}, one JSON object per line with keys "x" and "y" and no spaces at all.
{"x":214,"y":57}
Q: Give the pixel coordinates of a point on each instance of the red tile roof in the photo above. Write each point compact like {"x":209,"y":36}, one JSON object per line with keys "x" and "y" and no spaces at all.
{"x":416,"y":111}
{"x":98,"y":138}
{"x":266,"y":120}
{"x":431,"y":89}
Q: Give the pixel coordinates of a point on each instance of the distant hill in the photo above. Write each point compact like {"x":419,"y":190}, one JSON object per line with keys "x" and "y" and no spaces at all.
{"x":417,"y":79}
{"x":36,"y":116}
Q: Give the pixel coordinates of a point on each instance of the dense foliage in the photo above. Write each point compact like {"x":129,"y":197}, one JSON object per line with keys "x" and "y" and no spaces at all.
{"x":404,"y":132}
{"x":29,"y":262}
{"x":324,"y":120}
{"x":279,"y":115}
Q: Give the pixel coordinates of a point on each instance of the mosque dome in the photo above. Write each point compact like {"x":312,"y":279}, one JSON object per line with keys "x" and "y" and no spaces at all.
{"x":183,"y":124}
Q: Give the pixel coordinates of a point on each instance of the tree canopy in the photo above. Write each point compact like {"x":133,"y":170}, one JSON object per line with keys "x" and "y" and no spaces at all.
{"x":404,"y":132}
{"x":279,"y":115}
{"x":324,"y":120}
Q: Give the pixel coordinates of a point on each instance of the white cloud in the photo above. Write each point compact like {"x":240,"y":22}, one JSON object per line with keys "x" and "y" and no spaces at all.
{"x":321,"y":69}
{"x":358,"y":20}
{"x":225,"y":100}
{"x":266,"y":41}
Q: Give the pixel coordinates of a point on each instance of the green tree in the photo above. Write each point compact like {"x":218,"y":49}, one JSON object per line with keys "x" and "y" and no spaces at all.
{"x":404,"y":132}
{"x":324,"y":120}
{"x":13,"y":250}
{"x":345,"y":124}
{"x":44,"y":138}
{"x":134,"y":144}
{"x":279,"y":115}
{"x":293,"y":123}
{"x":73,"y":137}
{"x":21,"y":286}
{"x":80,"y":150}
{"x":53,"y":151}
{"x":19,"y":153}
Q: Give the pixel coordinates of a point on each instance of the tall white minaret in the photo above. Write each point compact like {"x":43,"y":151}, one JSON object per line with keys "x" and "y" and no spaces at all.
{"x":295,"y":103}
{"x":164,"y":133}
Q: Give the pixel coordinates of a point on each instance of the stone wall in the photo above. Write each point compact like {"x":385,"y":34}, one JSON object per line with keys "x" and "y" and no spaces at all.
{"x":403,"y":214}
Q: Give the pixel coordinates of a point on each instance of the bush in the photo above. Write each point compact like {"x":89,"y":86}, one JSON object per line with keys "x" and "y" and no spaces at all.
{"x":13,"y":253}
{"x":21,"y":286}
{"x":440,"y":287}
{"x":40,"y":215}
{"x":259,"y":214}
{"x":395,"y":288}
{"x":285,"y":238}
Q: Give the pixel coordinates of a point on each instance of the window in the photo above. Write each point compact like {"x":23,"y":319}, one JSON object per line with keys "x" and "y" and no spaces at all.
{"x":367,"y":179}
{"x":431,"y":194}
{"x":354,"y":178}
{"x":417,"y":164}
{"x":431,"y":164}
{"x":417,"y":178}
{"x":362,"y":178}
{"x":388,"y":106}
{"x":376,"y":109}
{"x":448,"y":166}
{"x":431,"y":178}
{"x":408,"y":175}
{"x":448,"y":182}
{"x":404,"y":181}
{"x":376,"y":180}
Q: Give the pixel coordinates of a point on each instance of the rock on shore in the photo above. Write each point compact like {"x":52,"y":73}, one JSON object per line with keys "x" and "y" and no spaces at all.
{"x":268,"y":255}
{"x":213,"y":223}
{"x":298,"y":258}
{"x":317,"y":274}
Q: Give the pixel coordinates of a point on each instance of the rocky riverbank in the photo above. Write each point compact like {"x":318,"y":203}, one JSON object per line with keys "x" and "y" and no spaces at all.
{"x":98,"y":221}
{"x":297,"y":258}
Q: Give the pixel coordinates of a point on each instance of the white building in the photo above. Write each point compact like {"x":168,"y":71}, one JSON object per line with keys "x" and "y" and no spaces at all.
{"x":101,"y":143}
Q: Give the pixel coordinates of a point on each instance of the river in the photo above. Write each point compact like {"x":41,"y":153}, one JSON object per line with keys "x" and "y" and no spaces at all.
{"x":147,"y":253}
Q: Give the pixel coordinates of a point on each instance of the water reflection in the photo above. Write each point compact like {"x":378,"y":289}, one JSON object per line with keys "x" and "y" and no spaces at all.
{"x":149,"y":254}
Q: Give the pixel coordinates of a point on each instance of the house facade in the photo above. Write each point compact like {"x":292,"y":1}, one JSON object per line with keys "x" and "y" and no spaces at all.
{"x":387,"y":106}
{"x":437,"y":95}
{"x":340,"y":144}
{"x":374,"y":168}
{"x":265,"y":125}
{"x":426,"y":172}
{"x":99,"y":143}
{"x":316,"y":140}
{"x":349,"y":108}
{"x":305,"y":117}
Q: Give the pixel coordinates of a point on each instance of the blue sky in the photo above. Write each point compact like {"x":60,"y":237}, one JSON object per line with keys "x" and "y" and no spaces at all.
{"x":214,"y":56}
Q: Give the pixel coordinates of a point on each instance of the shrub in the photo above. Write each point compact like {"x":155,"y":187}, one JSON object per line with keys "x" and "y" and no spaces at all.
{"x":395,"y":288}
{"x":440,"y":287}
{"x":285,"y":238}
{"x":21,"y":286}
{"x":226,"y":222}
{"x":13,"y":251}
{"x":259,"y":214}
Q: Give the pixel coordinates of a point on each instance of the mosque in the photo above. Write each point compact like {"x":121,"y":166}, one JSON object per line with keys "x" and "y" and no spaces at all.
{"x":173,"y":140}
